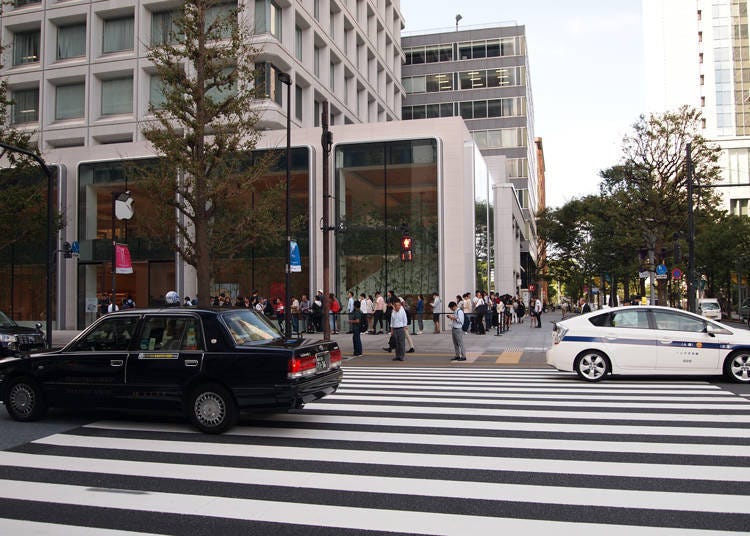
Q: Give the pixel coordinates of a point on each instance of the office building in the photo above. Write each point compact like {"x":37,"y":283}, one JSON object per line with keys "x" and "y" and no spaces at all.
{"x":698,"y":54}
{"x":81,"y":81}
{"x":481,"y":74}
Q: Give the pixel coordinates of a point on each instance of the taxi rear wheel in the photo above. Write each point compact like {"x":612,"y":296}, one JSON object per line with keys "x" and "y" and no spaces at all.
{"x":212,"y":408}
{"x":591,"y":366}
{"x":737,"y":367}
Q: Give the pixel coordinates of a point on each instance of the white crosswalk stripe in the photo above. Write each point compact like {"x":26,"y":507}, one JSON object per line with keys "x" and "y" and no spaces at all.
{"x":411,"y":451}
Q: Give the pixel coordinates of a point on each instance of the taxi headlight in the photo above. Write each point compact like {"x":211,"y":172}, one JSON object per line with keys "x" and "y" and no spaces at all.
{"x":8,"y":338}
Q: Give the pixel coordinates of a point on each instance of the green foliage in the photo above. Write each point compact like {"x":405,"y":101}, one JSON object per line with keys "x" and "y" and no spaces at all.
{"x":205,"y":132}
{"x":642,"y":203}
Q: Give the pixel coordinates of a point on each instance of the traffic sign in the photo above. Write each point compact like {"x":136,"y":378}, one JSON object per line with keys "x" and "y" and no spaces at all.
{"x":676,"y":273}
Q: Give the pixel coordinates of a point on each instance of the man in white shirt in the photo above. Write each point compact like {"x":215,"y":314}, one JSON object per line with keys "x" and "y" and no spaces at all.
{"x":538,"y":312}
{"x":398,"y":329}
{"x":457,"y":332}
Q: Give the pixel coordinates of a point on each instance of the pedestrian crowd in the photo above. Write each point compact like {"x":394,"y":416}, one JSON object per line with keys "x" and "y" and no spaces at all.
{"x":385,"y":314}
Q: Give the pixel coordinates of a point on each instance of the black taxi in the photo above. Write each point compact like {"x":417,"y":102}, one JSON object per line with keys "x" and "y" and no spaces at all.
{"x":212,"y":364}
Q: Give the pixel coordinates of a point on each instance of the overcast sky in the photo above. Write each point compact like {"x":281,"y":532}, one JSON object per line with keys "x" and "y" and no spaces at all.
{"x":586,"y":63}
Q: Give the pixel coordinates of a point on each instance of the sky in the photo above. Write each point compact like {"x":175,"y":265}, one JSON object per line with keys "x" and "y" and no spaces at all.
{"x":586,"y":65}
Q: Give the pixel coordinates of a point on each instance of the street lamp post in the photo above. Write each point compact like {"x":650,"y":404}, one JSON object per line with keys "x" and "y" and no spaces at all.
{"x":50,"y":236}
{"x":286,"y":79}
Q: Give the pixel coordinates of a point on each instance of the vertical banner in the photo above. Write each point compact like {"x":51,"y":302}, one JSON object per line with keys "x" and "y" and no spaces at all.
{"x":122,"y":260}
{"x":294,"y":257}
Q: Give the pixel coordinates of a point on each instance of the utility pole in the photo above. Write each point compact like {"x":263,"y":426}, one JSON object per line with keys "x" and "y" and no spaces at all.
{"x":691,"y":233}
{"x":326,"y":140}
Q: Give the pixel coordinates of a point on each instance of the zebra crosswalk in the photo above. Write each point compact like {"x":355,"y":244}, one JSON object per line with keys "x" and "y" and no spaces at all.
{"x":407,"y":451}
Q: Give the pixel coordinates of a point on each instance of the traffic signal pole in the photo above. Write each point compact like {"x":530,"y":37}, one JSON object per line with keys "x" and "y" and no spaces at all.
{"x":691,"y":233}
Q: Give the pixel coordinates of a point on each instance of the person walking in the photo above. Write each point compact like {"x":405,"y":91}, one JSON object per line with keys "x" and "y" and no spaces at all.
{"x":538,"y":312}
{"x":355,"y":319}
{"x":379,"y":312}
{"x":437,"y":309}
{"x":398,"y":329}
{"x":420,"y":313}
{"x":457,"y":331}
{"x":349,"y":308}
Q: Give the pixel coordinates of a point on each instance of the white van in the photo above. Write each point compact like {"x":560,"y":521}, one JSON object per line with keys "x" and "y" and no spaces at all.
{"x":710,"y":308}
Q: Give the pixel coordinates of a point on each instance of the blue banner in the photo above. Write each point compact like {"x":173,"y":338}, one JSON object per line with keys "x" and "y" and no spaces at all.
{"x":294,"y":257}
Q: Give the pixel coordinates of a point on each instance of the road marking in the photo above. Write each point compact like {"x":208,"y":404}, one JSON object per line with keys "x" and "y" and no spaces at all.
{"x":734,"y":473}
{"x":509,"y":357}
{"x":492,"y":491}
{"x":321,"y":515}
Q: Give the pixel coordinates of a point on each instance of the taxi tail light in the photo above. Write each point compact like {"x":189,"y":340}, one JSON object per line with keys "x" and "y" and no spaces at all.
{"x":301,"y":366}
{"x":336,"y":357}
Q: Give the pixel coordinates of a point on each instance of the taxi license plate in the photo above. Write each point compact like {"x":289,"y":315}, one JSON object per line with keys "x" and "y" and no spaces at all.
{"x":322,"y":361}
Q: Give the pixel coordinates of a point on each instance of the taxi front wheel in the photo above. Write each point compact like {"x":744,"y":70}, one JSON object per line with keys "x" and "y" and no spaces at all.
{"x":24,"y":400}
{"x":737,"y":367}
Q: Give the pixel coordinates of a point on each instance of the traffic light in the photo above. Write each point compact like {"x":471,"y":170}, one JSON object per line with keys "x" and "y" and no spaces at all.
{"x":406,"y":248}
{"x":67,"y":250}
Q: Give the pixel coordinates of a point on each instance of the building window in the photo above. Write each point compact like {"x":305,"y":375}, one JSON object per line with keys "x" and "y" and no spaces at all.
{"x":332,"y":77}
{"x":118,"y":35}
{"x":221,"y":14}
{"x":25,"y":105}
{"x":316,"y":61}
{"x":268,"y":18}
{"x":298,"y":102}
{"x":70,"y":101}
{"x":316,"y":114}
{"x":117,"y":96}
{"x":163,"y":27}
{"x":267,"y":77}
{"x":221,"y":93}
{"x":298,"y":42}
{"x":156,"y":92}
{"x":316,"y":9}
{"x":71,"y":41}
{"x":26,"y":47}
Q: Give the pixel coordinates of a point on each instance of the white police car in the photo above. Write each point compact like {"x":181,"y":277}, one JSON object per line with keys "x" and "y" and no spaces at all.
{"x":649,"y":340}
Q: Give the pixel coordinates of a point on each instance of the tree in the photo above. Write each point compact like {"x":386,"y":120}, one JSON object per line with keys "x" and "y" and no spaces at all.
{"x":652,"y":179}
{"x":205,"y":132}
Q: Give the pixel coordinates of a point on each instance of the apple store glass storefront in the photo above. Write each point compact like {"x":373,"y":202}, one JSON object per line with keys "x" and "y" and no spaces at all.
{"x":153,"y":259}
{"x":383,"y":190}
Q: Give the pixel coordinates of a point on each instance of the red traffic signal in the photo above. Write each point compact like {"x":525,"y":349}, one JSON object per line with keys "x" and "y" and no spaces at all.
{"x":406,"y":248}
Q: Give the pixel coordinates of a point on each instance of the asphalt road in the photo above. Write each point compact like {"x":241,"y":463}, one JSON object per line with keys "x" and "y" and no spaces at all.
{"x":402,"y":450}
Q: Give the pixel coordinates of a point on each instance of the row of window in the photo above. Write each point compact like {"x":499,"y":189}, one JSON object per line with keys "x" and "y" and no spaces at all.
{"x":501,"y":138}
{"x":117,"y":96}
{"x":476,"y":79}
{"x":468,"y":50}
{"x":480,"y":109}
{"x":118,"y":35}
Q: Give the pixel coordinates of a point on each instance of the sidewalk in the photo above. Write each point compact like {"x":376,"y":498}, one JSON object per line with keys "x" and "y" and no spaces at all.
{"x":523,"y":346}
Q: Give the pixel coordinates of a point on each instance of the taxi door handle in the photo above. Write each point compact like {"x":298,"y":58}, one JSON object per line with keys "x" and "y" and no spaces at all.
{"x":191,"y":362}
{"x":116,"y":362}
{"x":665,"y":341}
{"x":610,"y":337}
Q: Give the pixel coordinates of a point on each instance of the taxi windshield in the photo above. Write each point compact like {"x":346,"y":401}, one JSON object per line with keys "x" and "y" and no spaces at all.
{"x":710,"y":306}
{"x":247,"y":326}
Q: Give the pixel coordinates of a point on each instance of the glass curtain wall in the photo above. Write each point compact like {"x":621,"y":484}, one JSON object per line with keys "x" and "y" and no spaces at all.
{"x":153,"y":261}
{"x":23,"y":243}
{"x":381,"y":191}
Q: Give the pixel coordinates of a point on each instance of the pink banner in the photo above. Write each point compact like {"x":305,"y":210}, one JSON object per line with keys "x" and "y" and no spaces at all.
{"x":122,"y":260}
